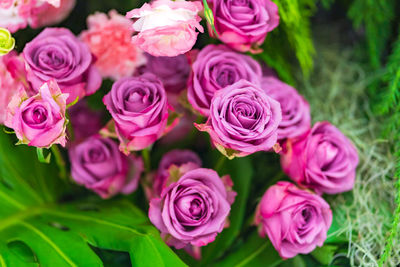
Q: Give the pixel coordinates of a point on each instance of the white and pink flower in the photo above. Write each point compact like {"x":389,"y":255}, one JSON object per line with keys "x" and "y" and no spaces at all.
{"x":18,"y":14}
{"x":166,"y":28}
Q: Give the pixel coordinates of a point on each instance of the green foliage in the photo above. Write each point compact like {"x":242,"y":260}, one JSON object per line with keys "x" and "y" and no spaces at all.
{"x":36,"y":230}
{"x":295,"y":22}
{"x":376,"y":17}
{"x":255,"y":251}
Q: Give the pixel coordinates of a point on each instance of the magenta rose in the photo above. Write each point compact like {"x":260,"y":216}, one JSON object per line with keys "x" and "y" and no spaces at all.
{"x":176,"y":158}
{"x":324,"y":160}
{"x":172,"y":71}
{"x":243,"y":120}
{"x":296,"y":117}
{"x":243,"y":25}
{"x":215,"y":68}
{"x":57,"y":54}
{"x":139,"y":109}
{"x":192,"y":210}
{"x":97,"y":164}
{"x":295,"y":220}
{"x":39,"y":120}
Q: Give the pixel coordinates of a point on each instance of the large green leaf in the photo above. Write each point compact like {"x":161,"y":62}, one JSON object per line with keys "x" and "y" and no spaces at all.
{"x":35,"y":230}
{"x":255,"y":251}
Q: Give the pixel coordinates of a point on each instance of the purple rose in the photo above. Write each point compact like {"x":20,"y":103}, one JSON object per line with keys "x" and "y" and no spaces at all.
{"x":243,"y":120}
{"x":139,"y":109}
{"x":84,"y":121}
{"x":295,"y":220}
{"x":175,"y":158}
{"x":172,"y":71}
{"x":57,"y":54}
{"x":324,"y":160}
{"x":215,"y":68}
{"x":39,"y":120}
{"x":296,"y":118}
{"x":243,"y":25}
{"x":193,"y":210}
{"x":97,"y":164}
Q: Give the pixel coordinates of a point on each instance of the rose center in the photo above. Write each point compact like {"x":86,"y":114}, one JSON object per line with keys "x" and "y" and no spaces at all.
{"x":326,"y":155}
{"x":137,"y":99}
{"x":39,"y":115}
{"x":96,"y":155}
{"x":226,"y":77}
{"x":195,"y":208}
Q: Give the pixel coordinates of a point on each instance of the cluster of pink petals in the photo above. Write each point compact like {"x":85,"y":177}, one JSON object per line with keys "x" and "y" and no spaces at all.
{"x":109,"y":40}
{"x":166,"y":28}
{"x":18,"y":14}
{"x":39,"y":120}
{"x":8,"y":84}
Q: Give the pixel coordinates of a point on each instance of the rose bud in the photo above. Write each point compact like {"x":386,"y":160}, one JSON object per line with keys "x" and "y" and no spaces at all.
{"x":57,"y":54}
{"x":139,"y":109}
{"x":296,"y":117}
{"x":172,"y":71}
{"x":39,"y":120}
{"x":175,"y":160}
{"x":166,"y":28}
{"x":97,"y":164}
{"x":84,"y":121}
{"x":243,"y":25}
{"x":243,"y":120}
{"x":192,"y":210}
{"x":295,"y":220}
{"x":7,"y":42}
{"x":109,"y":39}
{"x":215,"y":68}
{"x":324,"y":160}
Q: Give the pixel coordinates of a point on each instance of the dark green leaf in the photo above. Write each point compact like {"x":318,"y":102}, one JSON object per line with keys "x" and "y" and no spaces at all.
{"x":35,"y":230}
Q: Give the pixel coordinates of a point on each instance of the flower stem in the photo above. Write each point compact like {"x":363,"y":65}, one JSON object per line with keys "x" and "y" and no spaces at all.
{"x":70,"y":129}
{"x":220,"y":163}
{"x":60,"y":161}
{"x":146,"y":159}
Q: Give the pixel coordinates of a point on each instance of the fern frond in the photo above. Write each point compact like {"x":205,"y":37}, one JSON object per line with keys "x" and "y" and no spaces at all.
{"x":376,"y":17}
{"x":295,"y":21}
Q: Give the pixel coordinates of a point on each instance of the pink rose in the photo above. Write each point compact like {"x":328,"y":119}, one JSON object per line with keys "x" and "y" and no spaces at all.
{"x":139,"y":108}
{"x":166,"y":28}
{"x":296,"y":117}
{"x":97,"y":164}
{"x":39,"y":120}
{"x":192,"y":210}
{"x":109,"y":39}
{"x":243,"y":120}
{"x":243,"y":25}
{"x":324,"y":160}
{"x":295,"y":220}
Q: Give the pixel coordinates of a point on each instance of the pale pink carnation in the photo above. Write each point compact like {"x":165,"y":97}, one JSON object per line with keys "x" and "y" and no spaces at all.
{"x":166,"y":28}
{"x":109,"y":39}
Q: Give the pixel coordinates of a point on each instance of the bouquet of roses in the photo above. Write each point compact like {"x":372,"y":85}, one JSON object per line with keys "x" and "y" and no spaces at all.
{"x":119,"y":108}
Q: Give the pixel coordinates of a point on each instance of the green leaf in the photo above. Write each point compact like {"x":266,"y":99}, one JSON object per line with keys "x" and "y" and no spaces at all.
{"x":324,"y":254}
{"x":241,"y":172}
{"x":256,"y":251}
{"x":35,"y":230}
